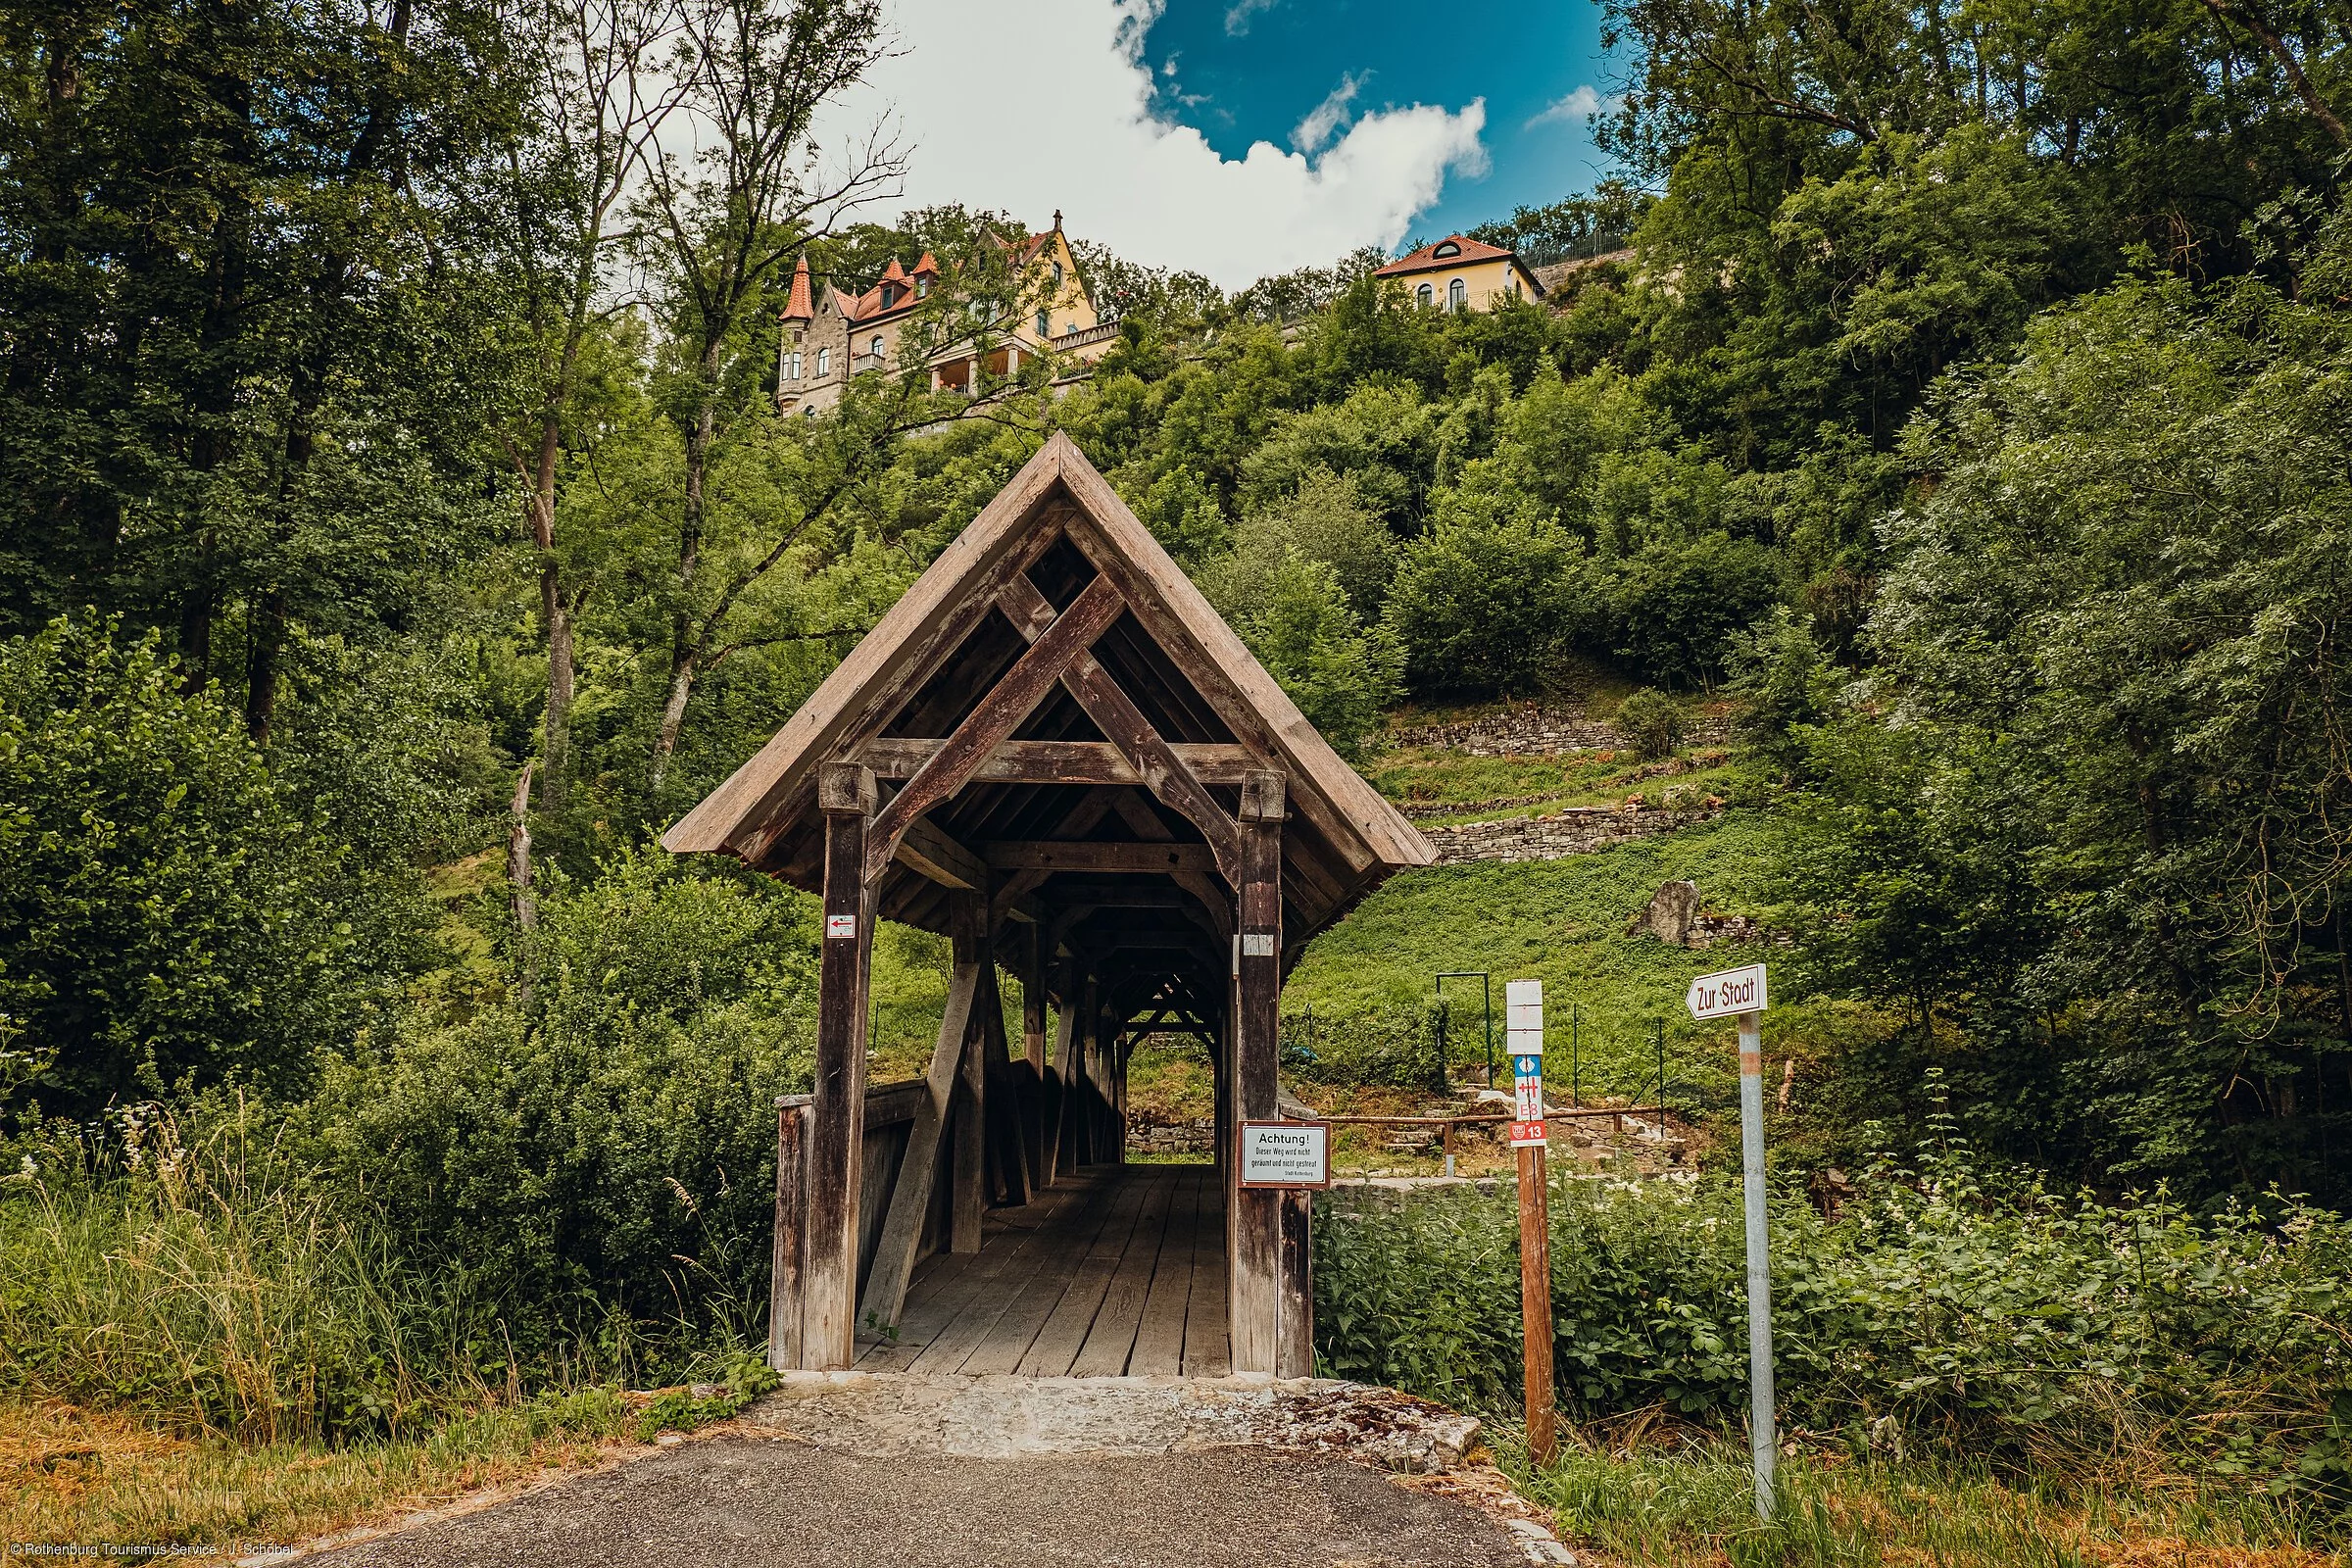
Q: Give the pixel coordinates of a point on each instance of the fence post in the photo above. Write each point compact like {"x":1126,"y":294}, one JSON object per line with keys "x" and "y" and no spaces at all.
{"x":792,"y":1198}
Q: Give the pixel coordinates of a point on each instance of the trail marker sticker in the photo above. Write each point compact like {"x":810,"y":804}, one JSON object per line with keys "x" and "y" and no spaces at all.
{"x":1728,"y":994}
{"x":1525,"y":998}
{"x":841,"y":926}
{"x":1286,"y":1153}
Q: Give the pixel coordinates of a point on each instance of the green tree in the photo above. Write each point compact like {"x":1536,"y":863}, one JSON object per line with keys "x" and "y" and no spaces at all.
{"x":170,"y":911}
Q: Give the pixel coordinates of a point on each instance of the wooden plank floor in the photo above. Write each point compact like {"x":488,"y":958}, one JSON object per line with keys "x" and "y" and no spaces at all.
{"x":1117,"y":1270}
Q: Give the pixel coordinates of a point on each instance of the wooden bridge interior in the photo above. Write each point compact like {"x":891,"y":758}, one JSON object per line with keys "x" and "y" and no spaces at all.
{"x":1053,"y":753}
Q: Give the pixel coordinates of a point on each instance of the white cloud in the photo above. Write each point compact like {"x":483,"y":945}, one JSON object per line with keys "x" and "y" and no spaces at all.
{"x":1033,"y":105}
{"x":1576,"y":107}
{"x":1324,"y":120}
{"x":1238,"y":17}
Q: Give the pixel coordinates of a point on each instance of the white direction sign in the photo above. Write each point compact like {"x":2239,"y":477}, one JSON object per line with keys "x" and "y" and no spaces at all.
{"x":1286,"y":1153}
{"x":1728,"y":994}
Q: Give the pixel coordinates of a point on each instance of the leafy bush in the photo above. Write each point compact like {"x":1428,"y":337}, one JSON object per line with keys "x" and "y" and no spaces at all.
{"x":2036,"y":1329}
{"x":609,"y":1150}
{"x":1651,"y":722}
{"x":1293,"y":614}
{"x":1676,"y":606}
{"x":168,"y":909}
{"x":1483,"y":600}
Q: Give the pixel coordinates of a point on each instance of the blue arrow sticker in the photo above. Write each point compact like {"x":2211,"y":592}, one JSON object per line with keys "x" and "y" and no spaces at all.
{"x":1528,"y":1066}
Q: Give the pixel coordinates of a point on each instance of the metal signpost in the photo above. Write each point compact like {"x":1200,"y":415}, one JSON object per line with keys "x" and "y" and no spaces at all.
{"x":1740,"y":993}
{"x":1523,"y":1000}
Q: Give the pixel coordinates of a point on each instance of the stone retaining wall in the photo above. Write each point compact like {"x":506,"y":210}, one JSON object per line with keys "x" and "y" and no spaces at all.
{"x":1574,"y":830}
{"x":1520,"y":730}
{"x":1172,"y":1138}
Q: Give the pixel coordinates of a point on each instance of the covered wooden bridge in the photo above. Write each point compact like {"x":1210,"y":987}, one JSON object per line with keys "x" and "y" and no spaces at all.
{"x":1052,"y":752}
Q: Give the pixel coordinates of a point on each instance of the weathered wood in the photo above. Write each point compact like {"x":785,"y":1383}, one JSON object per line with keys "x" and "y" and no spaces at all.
{"x":1056,"y":762}
{"x":968,"y":1197}
{"x":1050,"y":855}
{"x":1012,"y":699}
{"x":885,"y":1295}
{"x":1254,"y":1317}
{"x":928,"y":852}
{"x":1123,"y":723}
{"x":1007,"y":1107}
{"x":836,"y":1131}
{"x":1158,"y":1349}
{"x":1295,"y":1352}
{"x":784,"y":1293}
{"x":1113,"y":1313}
{"x":942,"y":1328}
{"x":1061,"y":1147}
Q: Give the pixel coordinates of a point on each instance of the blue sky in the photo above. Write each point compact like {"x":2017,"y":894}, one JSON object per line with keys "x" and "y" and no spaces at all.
{"x":1287,"y":134}
{"x":1247,"y":70}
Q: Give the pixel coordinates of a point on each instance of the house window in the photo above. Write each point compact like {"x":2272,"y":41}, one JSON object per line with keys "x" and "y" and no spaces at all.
{"x":878,"y":345}
{"x":1045,"y":324}
{"x":1458,"y":295}
{"x":922,"y":288}
{"x":824,"y":361}
{"x":1510,"y":283}
{"x":1058,"y":277}
{"x":1426,"y":295}
{"x":794,"y":368}
{"x":890,"y":296}
{"x":1449,"y":248}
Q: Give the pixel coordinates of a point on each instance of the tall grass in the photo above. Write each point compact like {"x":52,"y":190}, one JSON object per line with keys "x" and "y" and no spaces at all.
{"x":189,"y":1271}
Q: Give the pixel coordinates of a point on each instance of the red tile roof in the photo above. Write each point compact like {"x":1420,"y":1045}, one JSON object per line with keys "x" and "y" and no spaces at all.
{"x":1426,"y":259}
{"x":798,"y":307}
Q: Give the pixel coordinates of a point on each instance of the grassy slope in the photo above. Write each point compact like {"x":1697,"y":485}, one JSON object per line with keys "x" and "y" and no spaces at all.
{"x":1562,"y":922}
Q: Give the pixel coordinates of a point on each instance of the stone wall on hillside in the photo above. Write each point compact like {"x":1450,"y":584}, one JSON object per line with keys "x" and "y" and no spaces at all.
{"x":1520,"y":730}
{"x":1572,"y":830}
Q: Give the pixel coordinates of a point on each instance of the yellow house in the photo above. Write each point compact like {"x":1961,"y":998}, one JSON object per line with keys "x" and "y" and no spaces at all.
{"x":1460,"y":273}
{"x":830,"y":336}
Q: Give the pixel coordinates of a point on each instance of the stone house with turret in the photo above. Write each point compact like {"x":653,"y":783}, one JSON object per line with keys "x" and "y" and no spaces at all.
{"x":830,"y":335}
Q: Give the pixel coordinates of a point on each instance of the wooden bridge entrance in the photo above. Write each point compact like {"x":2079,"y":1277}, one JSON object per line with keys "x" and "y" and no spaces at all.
{"x":1052,"y":752}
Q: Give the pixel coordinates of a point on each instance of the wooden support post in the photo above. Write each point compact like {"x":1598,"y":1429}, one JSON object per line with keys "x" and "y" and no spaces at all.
{"x":784,"y":1293}
{"x":968,"y":1199}
{"x":1535,"y":1303}
{"x":1007,"y":1106}
{"x":1258,"y":1281}
{"x":1063,"y":1144}
{"x":884,"y":1298}
{"x":1035,"y":1138}
{"x":837,"y":1122}
{"x":1295,"y":1355}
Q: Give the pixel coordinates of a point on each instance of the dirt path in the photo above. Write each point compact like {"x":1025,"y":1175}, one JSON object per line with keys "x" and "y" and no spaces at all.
{"x":882,"y":1472}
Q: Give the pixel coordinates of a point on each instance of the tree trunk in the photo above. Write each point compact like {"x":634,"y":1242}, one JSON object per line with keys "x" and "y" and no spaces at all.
{"x":519,"y":898}
{"x":674,"y":718}
{"x":684,"y":653}
{"x":554,"y":619}
{"x":268,"y":622}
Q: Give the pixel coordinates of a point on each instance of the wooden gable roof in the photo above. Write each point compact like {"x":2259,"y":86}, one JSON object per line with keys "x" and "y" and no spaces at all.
{"x":981,"y":614}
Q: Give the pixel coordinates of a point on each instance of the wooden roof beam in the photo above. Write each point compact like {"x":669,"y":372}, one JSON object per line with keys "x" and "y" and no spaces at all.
{"x":1114,"y":713}
{"x":1051,"y":653}
{"x":1055,"y":761}
{"x":1055,"y":854}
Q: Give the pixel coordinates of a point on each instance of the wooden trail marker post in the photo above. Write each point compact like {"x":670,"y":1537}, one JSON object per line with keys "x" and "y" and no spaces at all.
{"x":1740,"y":993}
{"x":1524,"y":1033}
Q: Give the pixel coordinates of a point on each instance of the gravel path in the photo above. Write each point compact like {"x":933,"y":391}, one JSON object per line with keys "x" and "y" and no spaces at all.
{"x":859,"y":1471}
{"x":737,"y":1500}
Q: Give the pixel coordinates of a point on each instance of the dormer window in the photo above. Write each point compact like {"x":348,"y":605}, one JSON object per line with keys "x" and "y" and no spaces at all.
{"x":1449,"y":248}
{"x":890,"y":296}
{"x":922,"y":288}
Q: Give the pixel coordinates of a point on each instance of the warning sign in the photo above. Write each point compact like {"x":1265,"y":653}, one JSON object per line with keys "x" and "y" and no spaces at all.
{"x":1286,"y":1153}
